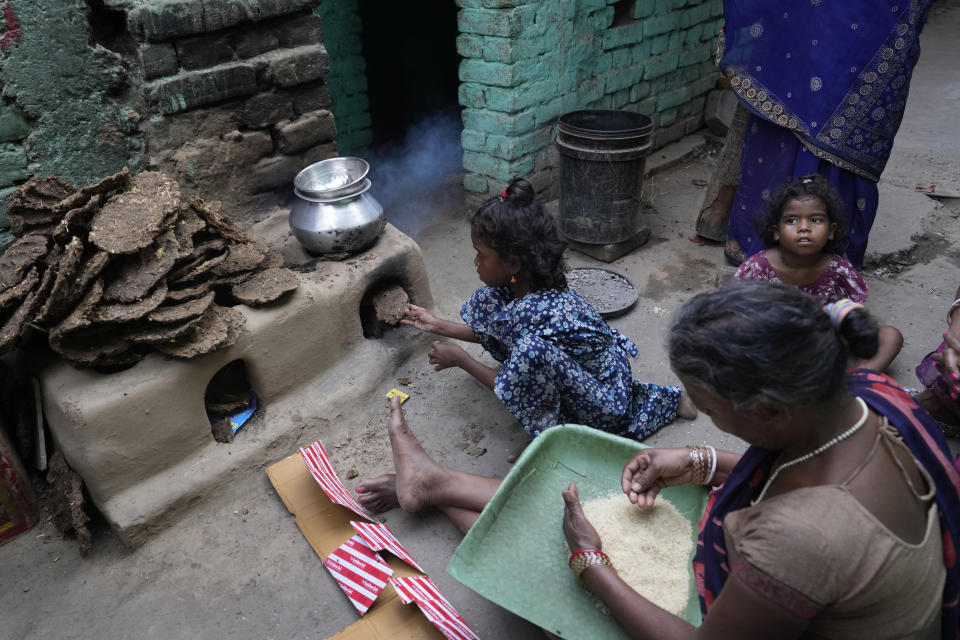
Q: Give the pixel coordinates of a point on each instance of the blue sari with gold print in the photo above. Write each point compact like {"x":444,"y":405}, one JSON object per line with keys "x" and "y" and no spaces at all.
{"x":826,"y":84}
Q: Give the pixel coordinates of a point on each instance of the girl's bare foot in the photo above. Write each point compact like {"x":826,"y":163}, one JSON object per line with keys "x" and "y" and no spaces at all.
{"x":418,"y":475}
{"x":686,"y":409}
{"x":379,"y":494}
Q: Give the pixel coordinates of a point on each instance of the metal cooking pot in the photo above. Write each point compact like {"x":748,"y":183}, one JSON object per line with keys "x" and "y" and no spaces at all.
{"x":344,"y":222}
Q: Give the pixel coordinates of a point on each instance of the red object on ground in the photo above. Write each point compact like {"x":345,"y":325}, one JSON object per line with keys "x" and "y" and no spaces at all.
{"x":695,"y":241}
{"x":18,"y":509}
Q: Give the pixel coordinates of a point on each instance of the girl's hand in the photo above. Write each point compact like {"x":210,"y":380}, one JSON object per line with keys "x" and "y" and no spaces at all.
{"x":948,"y":363}
{"x":420,"y":318}
{"x":578,"y":531}
{"x":652,"y":470}
{"x":445,"y":355}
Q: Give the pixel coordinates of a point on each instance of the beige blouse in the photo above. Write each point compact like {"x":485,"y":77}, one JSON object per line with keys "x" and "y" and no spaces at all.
{"x":822,"y":555}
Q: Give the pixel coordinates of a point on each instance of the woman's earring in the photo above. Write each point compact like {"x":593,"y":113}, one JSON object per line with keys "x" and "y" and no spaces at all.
{"x":513,"y":279}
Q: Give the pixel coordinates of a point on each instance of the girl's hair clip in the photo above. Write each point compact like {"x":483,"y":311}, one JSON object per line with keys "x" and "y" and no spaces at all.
{"x":806,"y":181}
{"x":503,"y":194}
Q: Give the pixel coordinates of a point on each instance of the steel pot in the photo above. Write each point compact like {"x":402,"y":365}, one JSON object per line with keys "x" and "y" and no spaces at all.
{"x":337,"y":225}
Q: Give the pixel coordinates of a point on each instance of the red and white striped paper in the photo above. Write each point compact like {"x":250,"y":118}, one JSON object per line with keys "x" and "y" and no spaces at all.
{"x":326,"y":476}
{"x":435,"y":607}
{"x":380,"y":538}
{"x":360,"y":572}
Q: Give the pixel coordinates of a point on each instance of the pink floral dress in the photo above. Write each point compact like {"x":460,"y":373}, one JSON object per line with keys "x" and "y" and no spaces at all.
{"x":839,"y":280}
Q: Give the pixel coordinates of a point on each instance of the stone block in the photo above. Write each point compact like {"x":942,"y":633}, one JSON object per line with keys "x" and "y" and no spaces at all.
{"x":13,"y":125}
{"x":306,"y":131}
{"x":503,"y":170}
{"x":617,"y":79}
{"x":657,"y":24}
{"x":470,"y":45}
{"x":173,"y":131}
{"x":306,"y":28}
{"x":13,"y":164}
{"x":196,"y":88}
{"x":271,"y":8}
{"x":220,"y":14}
{"x":157,"y":60}
{"x":204,"y":51}
{"x":242,"y":149}
{"x":505,"y":50}
{"x":472,"y":140}
{"x":697,"y":54}
{"x":619,"y":99}
{"x":492,"y":73}
{"x":290,"y":67}
{"x":265,"y":109}
{"x":252,"y":41}
{"x":489,"y":22}
{"x":274,"y":171}
{"x":624,"y":36}
{"x":319,"y":152}
{"x":167,"y":19}
{"x":656,"y":66}
{"x":547,"y":112}
{"x":493,"y":122}
{"x":515,"y":147}
{"x":671,"y":99}
{"x":718,"y":111}
{"x":667,"y":117}
{"x":310,"y":97}
{"x":475,"y":182}
{"x":640,"y":91}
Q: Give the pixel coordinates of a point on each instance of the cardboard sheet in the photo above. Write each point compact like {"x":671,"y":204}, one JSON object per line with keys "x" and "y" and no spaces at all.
{"x":327,"y":526}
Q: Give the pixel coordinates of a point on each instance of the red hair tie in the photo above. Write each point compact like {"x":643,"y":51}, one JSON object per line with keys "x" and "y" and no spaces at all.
{"x":503,"y":194}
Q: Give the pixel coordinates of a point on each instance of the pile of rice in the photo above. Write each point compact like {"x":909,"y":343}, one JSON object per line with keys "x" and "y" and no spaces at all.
{"x":650,"y":547}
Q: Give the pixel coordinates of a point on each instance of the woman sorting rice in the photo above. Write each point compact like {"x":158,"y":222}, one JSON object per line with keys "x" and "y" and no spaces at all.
{"x":842,"y":518}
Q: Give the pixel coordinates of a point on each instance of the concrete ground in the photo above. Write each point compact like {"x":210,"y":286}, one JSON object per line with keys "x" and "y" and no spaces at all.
{"x":237,"y":566}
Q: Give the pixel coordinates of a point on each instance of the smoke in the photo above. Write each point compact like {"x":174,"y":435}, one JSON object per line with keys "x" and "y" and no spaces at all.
{"x":420,"y":172}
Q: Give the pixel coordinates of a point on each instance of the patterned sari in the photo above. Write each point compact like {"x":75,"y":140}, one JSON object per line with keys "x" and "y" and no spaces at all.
{"x":920,"y":434}
{"x":826,"y":84}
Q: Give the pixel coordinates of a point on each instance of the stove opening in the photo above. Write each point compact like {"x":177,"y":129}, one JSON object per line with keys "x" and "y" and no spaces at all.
{"x":382,"y":307}
{"x":229,"y":401}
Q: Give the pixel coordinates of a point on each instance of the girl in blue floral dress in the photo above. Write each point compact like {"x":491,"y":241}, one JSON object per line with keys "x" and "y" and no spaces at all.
{"x":562,"y":362}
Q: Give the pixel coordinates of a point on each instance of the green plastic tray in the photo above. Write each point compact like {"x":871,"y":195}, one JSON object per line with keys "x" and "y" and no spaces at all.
{"x":515,"y":554}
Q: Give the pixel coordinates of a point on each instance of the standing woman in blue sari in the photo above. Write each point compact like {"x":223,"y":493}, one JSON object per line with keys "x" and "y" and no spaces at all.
{"x":826,"y":84}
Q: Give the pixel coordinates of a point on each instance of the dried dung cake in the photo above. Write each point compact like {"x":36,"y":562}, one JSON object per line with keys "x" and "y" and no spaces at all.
{"x":266,"y":286}
{"x":123,"y":312}
{"x":67,"y":502}
{"x":156,"y":333}
{"x":390,"y":304}
{"x":76,"y":221}
{"x":135,"y":275}
{"x":19,"y":291}
{"x":122,"y":265}
{"x":218,"y":327}
{"x":241,"y":257}
{"x":182,"y":311}
{"x":129,"y":221}
{"x":64,"y":286}
{"x":16,"y":261}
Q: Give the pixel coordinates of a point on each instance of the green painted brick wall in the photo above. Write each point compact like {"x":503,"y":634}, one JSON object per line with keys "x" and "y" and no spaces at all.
{"x":526,"y":63}
{"x":346,"y":78}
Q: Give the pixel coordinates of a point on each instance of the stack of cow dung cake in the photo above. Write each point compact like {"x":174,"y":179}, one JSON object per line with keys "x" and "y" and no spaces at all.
{"x":123,"y":266}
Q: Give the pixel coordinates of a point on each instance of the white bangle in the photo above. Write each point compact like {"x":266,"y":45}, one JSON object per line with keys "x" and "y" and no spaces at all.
{"x":713,"y":465}
{"x":953,"y":307}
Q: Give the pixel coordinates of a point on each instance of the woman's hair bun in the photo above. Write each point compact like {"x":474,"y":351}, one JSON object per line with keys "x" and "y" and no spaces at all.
{"x":859,"y":331}
{"x":520,"y":192}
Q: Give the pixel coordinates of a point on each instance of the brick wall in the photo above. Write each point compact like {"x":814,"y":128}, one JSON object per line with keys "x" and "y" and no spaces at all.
{"x":347,"y":76}
{"x":525,"y":63}
{"x":235,"y":94}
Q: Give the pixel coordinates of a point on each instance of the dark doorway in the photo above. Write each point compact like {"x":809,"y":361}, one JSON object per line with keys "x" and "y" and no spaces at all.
{"x":412,"y":77}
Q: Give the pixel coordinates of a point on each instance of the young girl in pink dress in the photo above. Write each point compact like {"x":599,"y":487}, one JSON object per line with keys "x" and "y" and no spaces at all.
{"x":803,"y":230}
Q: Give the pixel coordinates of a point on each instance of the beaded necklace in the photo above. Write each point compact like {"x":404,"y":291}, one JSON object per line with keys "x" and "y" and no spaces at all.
{"x":846,"y":434}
